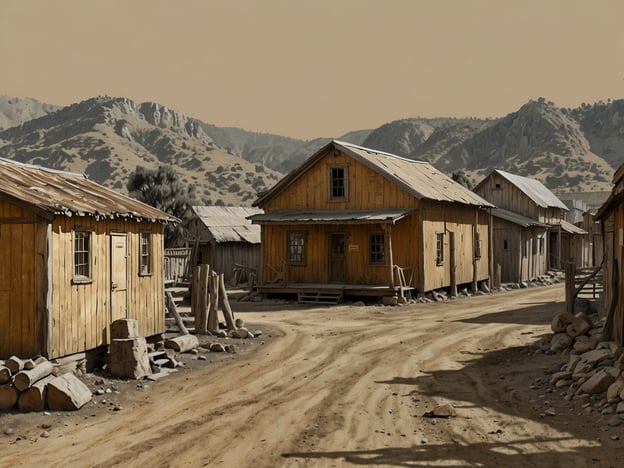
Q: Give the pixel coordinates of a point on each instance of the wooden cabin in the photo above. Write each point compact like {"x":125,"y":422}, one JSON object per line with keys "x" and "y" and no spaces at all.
{"x":611,"y":216}
{"x":356,"y":221}
{"x":520,"y":246}
{"x":226,"y":239}
{"x":531,"y":199}
{"x":75,"y":257}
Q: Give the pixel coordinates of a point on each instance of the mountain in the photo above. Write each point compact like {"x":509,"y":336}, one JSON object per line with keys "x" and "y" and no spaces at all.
{"x":15,"y":111}
{"x":566,"y":149}
{"x":107,"y":138}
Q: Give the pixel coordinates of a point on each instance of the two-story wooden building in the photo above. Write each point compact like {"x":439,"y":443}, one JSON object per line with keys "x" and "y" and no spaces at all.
{"x":75,"y":257}
{"x":356,"y":221}
{"x":541,"y":239}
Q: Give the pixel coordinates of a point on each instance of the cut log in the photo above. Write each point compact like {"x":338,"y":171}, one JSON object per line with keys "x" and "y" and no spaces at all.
{"x":225,"y":305}
{"x":25,"y":378}
{"x":14,"y":364}
{"x":213,"y":316}
{"x":5,"y":375}
{"x":34,"y":399}
{"x":173,"y":310}
{"x":31,"y":363}
{"x":8,"y":397}
{"x":182,"y":343}
{"x":129,"y":358}
{"x":67,"y":393}
{"x":124,"y":328}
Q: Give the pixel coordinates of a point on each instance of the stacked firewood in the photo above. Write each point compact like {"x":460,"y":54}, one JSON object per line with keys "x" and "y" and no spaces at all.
{"x":37,"y":384}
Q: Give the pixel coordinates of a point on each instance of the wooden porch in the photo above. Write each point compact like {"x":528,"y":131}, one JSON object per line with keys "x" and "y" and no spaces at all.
{"x":331,"y":293}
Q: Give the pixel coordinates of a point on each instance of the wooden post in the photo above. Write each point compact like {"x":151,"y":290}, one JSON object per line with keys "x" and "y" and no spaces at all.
{"x":491,"y":272}
{"x":225,"y":305}
{"x":475,"y":229}
{"x":171,"y":307}
{"x":570,"y":272}
{"x":421,"y":251}
{"x":204,"y":295}
{"x":499,"y":274}
{"x":195,"y":295}
{"x":214,"y":298}
{"x":452,"y":264}
{"x":390,"y":259}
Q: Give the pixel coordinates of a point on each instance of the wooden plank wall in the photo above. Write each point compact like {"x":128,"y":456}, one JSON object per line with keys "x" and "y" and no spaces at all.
{"x":224,"y":257}
{"x":81,"y":312}
{"x":22,"y":281}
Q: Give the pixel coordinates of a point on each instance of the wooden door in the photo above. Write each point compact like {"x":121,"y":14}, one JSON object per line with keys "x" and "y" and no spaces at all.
{"x":119,"y":276}
{"x":337,"y":261}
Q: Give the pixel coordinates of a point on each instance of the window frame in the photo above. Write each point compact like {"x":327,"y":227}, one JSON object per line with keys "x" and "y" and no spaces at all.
{"x":372,"y":244}
{"x":478,"y":245}
{"x":439,"y":251}
{"x":87,"y":252}
{"x":145,"y":234}
{"x":345,"y":183}
{"x":296,"y":235}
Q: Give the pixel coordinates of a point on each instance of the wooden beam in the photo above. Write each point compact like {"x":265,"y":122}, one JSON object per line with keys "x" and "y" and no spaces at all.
{"x":390,"y":257}
{"x":13,"y":220}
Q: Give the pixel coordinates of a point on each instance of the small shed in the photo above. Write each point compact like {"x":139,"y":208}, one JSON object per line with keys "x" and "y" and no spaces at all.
{"x":356,"y":221}
{"x":532,"y":199}
{"x":225,"y":238}
{"x":611,"y":216}
{"x":76,"y":256}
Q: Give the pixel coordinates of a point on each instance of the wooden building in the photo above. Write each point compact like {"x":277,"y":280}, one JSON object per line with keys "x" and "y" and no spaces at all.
{"x":225,"y":237}
{"x":356,"y":221}
{"x":531,"y":199}
{"x":611,"y":216}
{"x":75,"y":257}
{"x":519,"y":246}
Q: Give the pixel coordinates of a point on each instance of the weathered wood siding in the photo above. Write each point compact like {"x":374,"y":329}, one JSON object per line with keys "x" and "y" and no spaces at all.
{"x":446,"y":218}
{"x":517,"y":251}
{"x":509,"y":197}
{"x":81,"y":313}
{"x":224,"y":256}
{"x":23,"y":253}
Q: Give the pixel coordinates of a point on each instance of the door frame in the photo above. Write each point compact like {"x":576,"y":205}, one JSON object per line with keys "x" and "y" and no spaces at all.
{"x":112,"y":287}
{"x":331,"y":257}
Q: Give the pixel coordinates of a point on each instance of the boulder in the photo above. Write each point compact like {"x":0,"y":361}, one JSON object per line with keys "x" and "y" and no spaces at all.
{"x":563,"y":375}
{"x":572,"y":362}
{"x":561,"y":321}
{"x":614,"y":390}
{"x":582,"y":344}
{"x":560,"y":341}
{"x":578,"y":327}
{"x":595,"y":356}
{"x":597,"y":383}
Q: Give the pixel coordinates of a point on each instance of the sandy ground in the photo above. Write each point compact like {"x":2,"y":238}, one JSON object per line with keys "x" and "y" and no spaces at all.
{"x":341,"y":386}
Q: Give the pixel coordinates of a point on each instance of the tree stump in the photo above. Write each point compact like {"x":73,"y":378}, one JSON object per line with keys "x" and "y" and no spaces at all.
{"x":129,"y":358}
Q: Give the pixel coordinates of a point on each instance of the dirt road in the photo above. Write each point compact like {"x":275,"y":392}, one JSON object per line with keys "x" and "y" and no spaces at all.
{"x":349,"y":386}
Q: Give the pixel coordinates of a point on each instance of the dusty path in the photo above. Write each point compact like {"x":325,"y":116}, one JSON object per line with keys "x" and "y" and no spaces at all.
{"x":349,"y":386}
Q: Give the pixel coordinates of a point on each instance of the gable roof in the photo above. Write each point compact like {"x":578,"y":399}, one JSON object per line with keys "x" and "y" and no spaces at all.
{"x":532,"y":188}
{"x":516,"y":218}
{"x":70,"y":194}
{"x":229,"y":223}
{"x":418,"y":178}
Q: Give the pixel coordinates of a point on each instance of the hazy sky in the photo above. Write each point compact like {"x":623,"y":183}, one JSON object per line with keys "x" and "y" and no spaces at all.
{"x":318,"y":67}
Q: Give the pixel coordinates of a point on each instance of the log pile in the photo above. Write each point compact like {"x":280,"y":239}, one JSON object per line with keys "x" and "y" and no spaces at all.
{"x":37,"y":384}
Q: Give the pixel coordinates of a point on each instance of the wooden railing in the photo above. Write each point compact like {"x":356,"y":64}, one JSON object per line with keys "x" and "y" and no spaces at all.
{"x":582,"y":282}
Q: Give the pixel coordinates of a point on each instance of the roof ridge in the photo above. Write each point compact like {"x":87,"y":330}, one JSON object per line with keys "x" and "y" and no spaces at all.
{"x":42,"y":168}
{"x":385,"y":153}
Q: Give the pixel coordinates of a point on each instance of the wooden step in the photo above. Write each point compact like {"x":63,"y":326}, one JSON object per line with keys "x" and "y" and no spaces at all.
{"x":319,"y":298}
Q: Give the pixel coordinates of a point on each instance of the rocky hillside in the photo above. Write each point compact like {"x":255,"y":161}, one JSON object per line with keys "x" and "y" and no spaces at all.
{"x":567,"y":149}
{"x":107,"y":138}
{"x":16,"y":111}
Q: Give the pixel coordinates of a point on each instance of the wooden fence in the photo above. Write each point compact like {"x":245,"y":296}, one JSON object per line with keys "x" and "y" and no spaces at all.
{"x":177,"y":265}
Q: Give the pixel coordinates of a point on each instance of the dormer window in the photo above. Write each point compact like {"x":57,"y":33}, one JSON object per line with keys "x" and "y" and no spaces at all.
{"x":338,"y":186}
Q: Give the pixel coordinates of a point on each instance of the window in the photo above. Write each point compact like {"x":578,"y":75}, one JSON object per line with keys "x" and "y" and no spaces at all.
{"x":338,"y":183}
{"x":478,"y":244}
{"x":505,"y":245}
{"x":439,"y":248}
{"x":540,"y":241}
{"x":296,"y":248}
{"x":82,"y":256}
{"x":376,"y":248}
{"x":145,"y":256}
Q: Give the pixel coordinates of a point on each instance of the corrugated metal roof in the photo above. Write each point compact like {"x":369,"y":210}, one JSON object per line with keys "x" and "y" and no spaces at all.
{"x":71,"y":194}
{"x":229,"y":223}
{"x":570,"y":228}
{"x":516,"y":218}
{"x":419,"y":178}
{"x":534,"y":189}
{"x":331,"y":216}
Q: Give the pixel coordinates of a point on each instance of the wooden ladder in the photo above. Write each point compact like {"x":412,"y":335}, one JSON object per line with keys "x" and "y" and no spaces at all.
{"x":319,"y":298}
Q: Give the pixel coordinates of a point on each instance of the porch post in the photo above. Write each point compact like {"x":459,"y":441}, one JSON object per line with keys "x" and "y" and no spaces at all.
{"x":475,"y":228}
{"x":390,"y":259}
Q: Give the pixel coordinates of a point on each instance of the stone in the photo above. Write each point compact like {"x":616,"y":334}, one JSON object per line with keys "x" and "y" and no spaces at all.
{"x":572,"y":362}
{"x":581,"y":370}
{"x":563,"y":375}
{"x":612,"y":371}
{"x":578,"y":327}
{"x":620,"y":407}
{"x":545,"y":341}
{"x":582,"y":344}
{"x":598,"y":383}
{"x":595,"y":356}
{"x":561,"y":321}
{"x":614,"y":390}
{"x":559,"y":342}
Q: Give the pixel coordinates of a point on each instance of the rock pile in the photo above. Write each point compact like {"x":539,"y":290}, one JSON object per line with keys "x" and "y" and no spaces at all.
{"x":593,"y":375}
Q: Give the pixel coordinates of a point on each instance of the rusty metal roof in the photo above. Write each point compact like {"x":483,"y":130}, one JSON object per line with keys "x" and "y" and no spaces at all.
{"x":331,"y":216}
{"x":419,"y":178}
{"x":229,"y":223}
{"x":70,"y":194}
